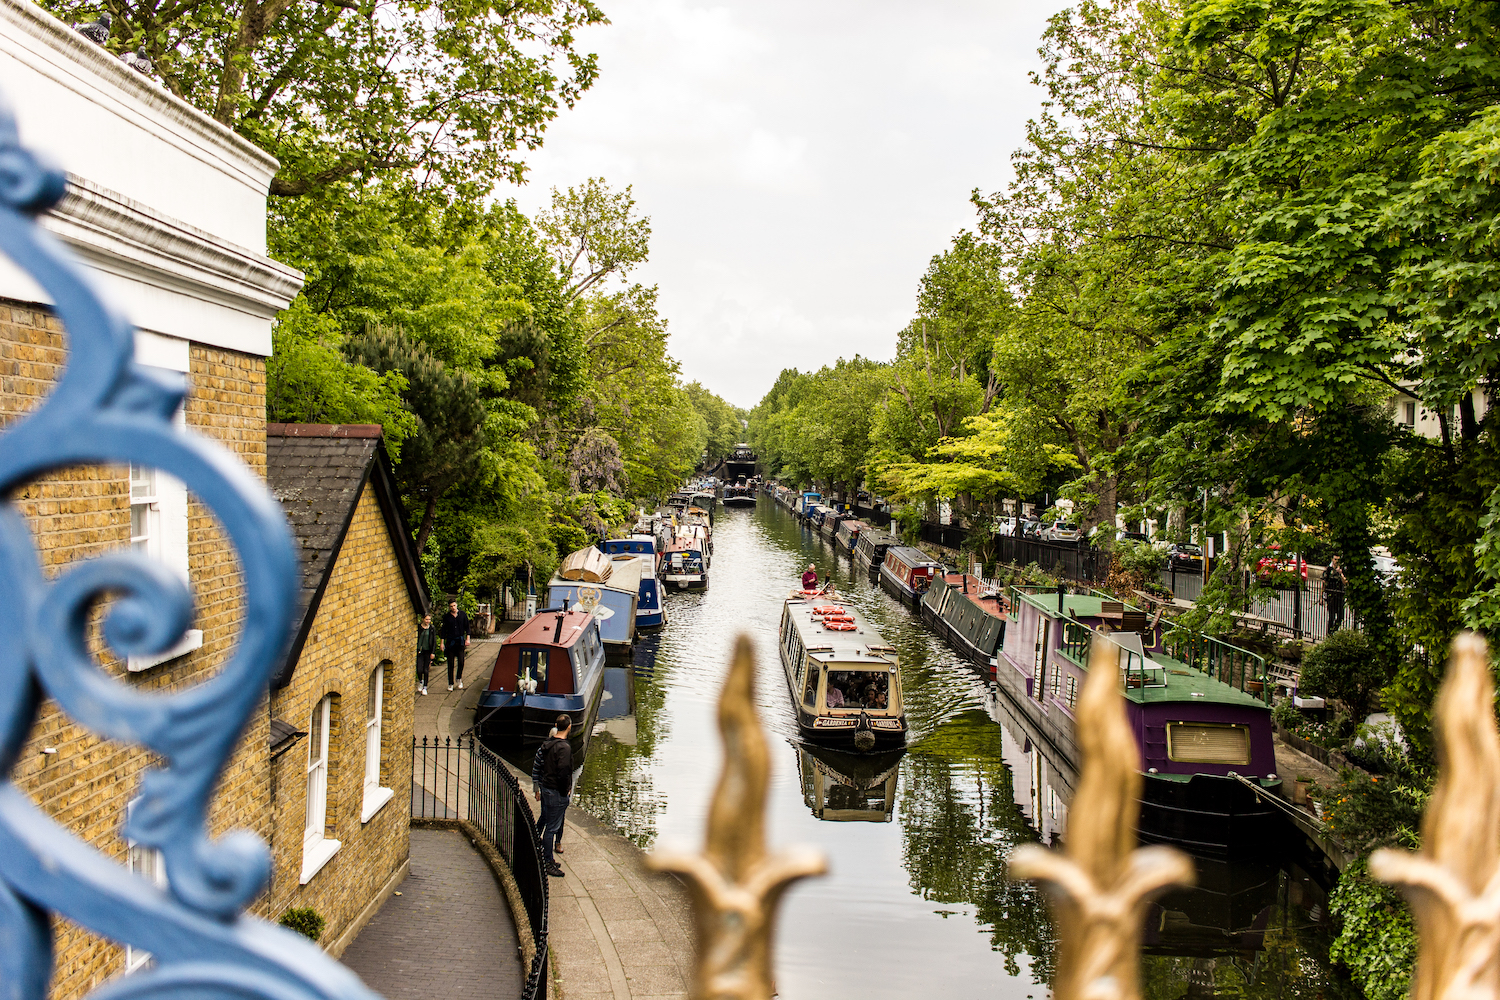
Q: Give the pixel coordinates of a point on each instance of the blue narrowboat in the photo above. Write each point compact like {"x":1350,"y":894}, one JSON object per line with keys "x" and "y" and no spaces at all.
{"x":617,"y":599}
{"x":650,"y":609}
{"x":553,"y":663}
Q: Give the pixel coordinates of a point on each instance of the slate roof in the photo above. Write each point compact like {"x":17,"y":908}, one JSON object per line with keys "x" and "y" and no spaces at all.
{"x":318,"y":473}
{"x":283,"y":736}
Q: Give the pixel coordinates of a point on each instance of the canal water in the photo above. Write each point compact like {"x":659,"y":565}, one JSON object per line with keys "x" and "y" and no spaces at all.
{"x":916,"y":901}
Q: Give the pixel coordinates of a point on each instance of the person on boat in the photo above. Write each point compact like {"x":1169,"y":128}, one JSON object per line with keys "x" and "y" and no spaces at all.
{"x":810,"y":578}
{"x":557,"y":785}
{"x":835,"y":697}
{"x":455,"y":634}
{"x":426,"y":647}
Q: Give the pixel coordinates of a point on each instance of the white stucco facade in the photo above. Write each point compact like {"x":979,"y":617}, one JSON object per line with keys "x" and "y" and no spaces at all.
{"x":165,"y":204}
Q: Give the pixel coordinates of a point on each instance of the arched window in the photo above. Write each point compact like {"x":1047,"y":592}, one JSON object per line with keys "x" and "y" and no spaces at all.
{"x":374,"y":795}
{"x":316,"y":847}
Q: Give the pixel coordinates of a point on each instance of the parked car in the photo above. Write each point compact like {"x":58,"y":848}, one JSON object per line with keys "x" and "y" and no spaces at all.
{"x":1032,"y":529}
{"x":1277,"y":562}
{"x":1182,"y":556}
{"x":1063,"y":531}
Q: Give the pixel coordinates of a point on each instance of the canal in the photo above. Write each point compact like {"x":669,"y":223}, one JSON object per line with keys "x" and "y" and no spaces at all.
{"x":916,"y":902}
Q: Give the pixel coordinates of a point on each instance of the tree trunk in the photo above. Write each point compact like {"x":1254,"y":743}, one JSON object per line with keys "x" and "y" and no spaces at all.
{"x":426,"y":528}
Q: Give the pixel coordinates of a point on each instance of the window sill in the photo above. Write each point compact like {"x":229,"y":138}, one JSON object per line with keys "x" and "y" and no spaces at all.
{"x":375,"y":798}
{"x":191,"y":640}
{"x":315,"y":856}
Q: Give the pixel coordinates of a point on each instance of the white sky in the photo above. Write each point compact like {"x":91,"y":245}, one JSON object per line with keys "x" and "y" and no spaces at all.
{"x":800,"y":161}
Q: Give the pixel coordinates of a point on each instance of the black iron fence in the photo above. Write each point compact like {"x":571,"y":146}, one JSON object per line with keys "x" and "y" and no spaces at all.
{"x":1300,"y":614}
{"x":457,"y":778}
{"x":1079,"y":562}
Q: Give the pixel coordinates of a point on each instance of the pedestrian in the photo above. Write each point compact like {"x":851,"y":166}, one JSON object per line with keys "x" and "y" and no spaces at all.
{"x":810,"y":578}
{"x":455,"y":635}
{"x":1333,"y":594}
{"x":426,"y":647}
{"x":556,"y":780}
{"x":536,"y":779}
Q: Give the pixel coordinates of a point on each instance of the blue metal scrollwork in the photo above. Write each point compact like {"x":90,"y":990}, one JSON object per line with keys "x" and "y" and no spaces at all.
{"x":108,"y":409}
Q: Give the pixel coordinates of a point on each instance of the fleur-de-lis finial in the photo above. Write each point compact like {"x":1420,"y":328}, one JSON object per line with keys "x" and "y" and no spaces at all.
{"x":1453,"y":884}
{"x":1101,"y":885}
{"x":736,"y":887}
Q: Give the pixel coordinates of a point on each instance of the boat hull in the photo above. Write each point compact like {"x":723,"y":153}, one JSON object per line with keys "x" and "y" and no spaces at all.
{"x":983,"y":659}
{"x":741,"y":501}
{"x":900,"y":591}
{"x":1208,"y":814}
{"x":506,"y":722}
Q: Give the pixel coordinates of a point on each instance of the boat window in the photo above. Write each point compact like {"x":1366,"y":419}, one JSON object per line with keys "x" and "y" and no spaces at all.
{"x":1072,"y":692}
{"x":858,"y":689}
{"x":810,"y":692}
{"x":533,"y":662}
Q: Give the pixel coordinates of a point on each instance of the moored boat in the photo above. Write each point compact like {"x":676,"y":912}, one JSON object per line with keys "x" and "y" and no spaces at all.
{"x":844,"y":680}
{"x":971,"y":617}
{"x":741,"y":494}
{"x":650,"y":609}
{"x":871,"y":547}
{"x":612,"y":601}
{"x":553,"y":663}
{"x":848,"y":534}
{"x":1198,"y":731}
{"x":907,"y":572}
{"x":828,"y":524}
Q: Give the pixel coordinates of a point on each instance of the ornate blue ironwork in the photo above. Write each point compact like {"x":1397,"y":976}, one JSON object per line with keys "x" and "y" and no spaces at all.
{"x":108,"y":409}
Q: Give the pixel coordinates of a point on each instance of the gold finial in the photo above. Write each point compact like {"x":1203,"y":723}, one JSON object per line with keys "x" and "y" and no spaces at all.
{"x":1101,"y":885}
{"x":736,"y":887}
{"x":1452,"y":883}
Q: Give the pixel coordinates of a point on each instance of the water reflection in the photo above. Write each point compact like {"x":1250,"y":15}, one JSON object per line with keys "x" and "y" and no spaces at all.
{"x":917,"y":900}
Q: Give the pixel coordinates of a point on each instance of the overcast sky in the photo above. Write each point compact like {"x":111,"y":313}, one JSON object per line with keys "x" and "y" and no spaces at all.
{"x":801,"y":161}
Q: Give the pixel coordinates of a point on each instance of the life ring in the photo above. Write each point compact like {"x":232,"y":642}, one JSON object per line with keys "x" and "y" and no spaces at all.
{"x":828,"y":609}
{"x":838,"y":618}
{"x":834,"y":626}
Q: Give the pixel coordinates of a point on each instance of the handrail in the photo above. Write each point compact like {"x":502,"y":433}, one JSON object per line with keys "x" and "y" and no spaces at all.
{"x":1225,"y":662}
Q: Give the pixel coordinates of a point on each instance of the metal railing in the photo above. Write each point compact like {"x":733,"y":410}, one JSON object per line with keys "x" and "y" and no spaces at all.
{"x":1239,"y":668}
{"x":458,"y":778}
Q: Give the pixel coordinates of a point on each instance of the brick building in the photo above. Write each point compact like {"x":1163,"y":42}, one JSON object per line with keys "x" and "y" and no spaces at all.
{"x":168,"y":209}
{"x":341,"y":707}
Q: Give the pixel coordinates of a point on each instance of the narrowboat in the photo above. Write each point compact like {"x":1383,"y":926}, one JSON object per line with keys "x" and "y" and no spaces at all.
{"x":849,"y":788}
{"x":805,"y":501}
{"x":970,"y":616}
{"x":685,"y":563}
{"x":704,"y":501}
{"x":616,"y":599}
{"x":677,"y":501}
{"x":741,"y":494}
{"x":828,"y":524}
{"x":848,"y":534}
{"x":552,"y":663}
{"x":844,"y":680}
{"x":907,"y":572}
{"x":871,"y":547}
{"x":650,"y":609}
{"x":1199,"y":708}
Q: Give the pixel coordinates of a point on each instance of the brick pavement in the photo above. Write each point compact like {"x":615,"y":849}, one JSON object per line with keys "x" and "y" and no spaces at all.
{"x":448,"y":934}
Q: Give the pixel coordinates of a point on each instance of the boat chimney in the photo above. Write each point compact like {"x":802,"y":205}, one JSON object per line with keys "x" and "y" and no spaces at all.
{"x":966,"y":583}
{"x":1062,"y":588}
{"x":557,"y":635}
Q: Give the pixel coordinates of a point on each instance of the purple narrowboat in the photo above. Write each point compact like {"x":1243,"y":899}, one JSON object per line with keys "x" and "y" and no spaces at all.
{"x":1199,"y":708}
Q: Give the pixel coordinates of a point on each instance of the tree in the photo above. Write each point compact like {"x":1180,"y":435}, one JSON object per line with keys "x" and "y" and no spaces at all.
{"x":348,"y":90}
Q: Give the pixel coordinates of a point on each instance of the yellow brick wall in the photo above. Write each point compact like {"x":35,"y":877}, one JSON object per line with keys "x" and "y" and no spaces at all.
{"x":83,"y":512}
{"x":365,"y":619}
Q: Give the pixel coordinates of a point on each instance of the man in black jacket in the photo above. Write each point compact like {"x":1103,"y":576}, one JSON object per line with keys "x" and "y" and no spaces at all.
{"x":556,"y":786}
{"x":455,"y":630}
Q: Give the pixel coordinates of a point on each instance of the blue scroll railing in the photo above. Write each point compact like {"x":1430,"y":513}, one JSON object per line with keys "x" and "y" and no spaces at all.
{"x":106,"y":409}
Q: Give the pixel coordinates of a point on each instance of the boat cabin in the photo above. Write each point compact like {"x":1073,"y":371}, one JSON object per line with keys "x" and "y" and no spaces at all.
{"x":552,"y":663}
{"x":650,"y":609}
{"x":844,"y":680}
{"x":848,"y":534}
{"x":617,"y":600}
{"x":969,"y":615}
{"x":871,"y":546}
{"x":907,"y":572}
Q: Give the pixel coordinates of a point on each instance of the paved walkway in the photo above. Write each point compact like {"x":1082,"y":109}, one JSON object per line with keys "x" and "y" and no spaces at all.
{"x":446,"y":933}
{"x":616,"y":930}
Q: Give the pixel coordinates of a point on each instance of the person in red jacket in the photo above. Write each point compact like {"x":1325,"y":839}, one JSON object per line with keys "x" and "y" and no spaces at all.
{"x":810,"y":578}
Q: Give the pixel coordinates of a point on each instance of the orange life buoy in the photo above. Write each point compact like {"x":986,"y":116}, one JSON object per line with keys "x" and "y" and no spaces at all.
{"x":837,"y":626}
{"x":828,"y":609}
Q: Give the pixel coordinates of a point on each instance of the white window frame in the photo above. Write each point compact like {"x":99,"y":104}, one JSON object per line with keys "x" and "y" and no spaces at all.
{"x":165,"y":503}
{"x":149,"y":864}
{"x":374,"y":796}
{"x":317,"y":849}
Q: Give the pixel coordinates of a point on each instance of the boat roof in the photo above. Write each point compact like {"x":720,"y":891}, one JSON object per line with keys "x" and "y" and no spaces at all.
{"x":539,"y":629}
{"x":912,"y":556}
{"x":879,"y":536}
{"x":853,"y":522}
{"x":864,"y":644}
{"x":625,"y":575}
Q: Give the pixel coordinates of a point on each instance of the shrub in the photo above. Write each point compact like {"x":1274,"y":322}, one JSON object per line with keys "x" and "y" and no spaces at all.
{"x":1139,"y":558}
{"x":1371,"y":810}
{"x":1346,"y":666}
{"x":305,"y":921}
{"x":1376,"y":940}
